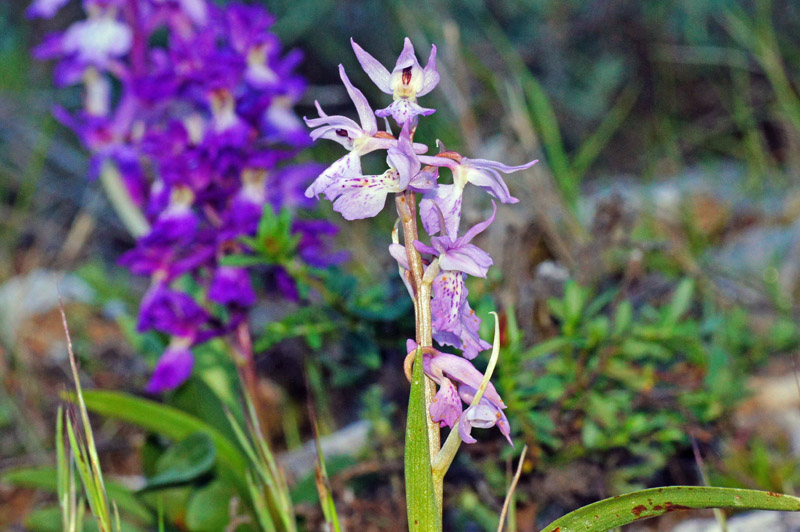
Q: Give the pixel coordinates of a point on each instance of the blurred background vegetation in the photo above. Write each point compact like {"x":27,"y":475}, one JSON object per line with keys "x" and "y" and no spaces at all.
{"x":647,"y":280}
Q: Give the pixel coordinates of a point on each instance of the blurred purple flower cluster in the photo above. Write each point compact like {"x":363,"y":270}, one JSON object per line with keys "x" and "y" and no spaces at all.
{"x":450,"y":257}
{"x":191,"y":105}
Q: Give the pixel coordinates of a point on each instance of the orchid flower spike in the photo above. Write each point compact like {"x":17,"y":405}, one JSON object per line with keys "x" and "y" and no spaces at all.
{"x":405,"y":83}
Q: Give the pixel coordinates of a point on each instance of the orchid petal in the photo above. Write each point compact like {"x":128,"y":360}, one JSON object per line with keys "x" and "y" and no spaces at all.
{"x":431,"y":76}
{"x":376,"y":71}
{"x":464,"y":428}
{"x":446,"y":408}
{"x":360,"y":197}
{"x":404,"y":110}
{"x":347,"y":166}
{"x":468,"y":258}
{"x":365,"y":114}
{"x":470,"y":342}
{"x":448,"y":296}
{"x":407,"y":57}
{"x":448,"y":198}
{"x":486,"y":174}
{"x":398,"y":253}
{"x":173,"y":369}
{"x":44,"y":8}
{"x":423,"y":248}
{"x":459,"y":369}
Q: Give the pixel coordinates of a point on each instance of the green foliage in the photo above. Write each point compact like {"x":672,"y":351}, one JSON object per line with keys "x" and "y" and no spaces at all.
{"x":165,"y":420}
{"x":274,"y":242}
{"x":756,"y":461}
{"x":208,"y":509}
{"x":324,"y":486}
{"x":184,"y":462}
{"x":621,"y":380}
{"x":617,"y":511}
{"x":266,"y":485}
{"x":424,"y":515}
{"x":568,"y":169}
{"x":47,"y":478}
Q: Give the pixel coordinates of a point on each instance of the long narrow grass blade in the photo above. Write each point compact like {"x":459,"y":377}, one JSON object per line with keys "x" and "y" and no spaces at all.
{"x":510,"y":495}
{"x":63,"y":471}
{"x":270,"y":496}
{"x":323,"y":482}
{"x":542,"y":113}
{"x":262,"y":512}
{"x":611,"y":123}
{"x":83,"y":445}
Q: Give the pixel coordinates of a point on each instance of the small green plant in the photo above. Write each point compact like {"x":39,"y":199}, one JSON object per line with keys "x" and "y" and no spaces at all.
{"x":619,"y":380}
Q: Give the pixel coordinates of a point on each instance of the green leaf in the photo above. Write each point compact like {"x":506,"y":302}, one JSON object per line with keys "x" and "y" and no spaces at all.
{"x":242,"y":261}
{"x":574,"y":299}
{"x":597,"y":331}
{"x":623,"y":318}
{"x":164,"y":420}
{"x":681,"y":300}
{"x":547,"y":347}
{"x":184,"y":462}
{"x":209,"y":508}
{"x":46,"y":478}
{"x":618,"y":511}
{"x":591,"y":435}
{"x":600,"y":302}
{"x":307,"y":322}
{"x":423,"y":514}
{"x":274,"y":242}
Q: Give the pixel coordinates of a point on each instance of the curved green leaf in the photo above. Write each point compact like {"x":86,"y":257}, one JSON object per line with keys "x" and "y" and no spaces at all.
{"x":209,"y":508}
{"x":163,"y":419}
{"x":617,"y":511}
{"x":184,"y":462}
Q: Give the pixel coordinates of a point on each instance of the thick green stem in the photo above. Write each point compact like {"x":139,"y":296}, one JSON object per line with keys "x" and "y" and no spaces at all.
{"x":407,"y":210}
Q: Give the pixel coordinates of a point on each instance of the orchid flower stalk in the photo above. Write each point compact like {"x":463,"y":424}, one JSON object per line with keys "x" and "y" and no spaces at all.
{"x":435,"y":273}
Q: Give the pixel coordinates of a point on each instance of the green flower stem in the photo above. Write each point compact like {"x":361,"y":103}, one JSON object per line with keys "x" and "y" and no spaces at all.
{"x":407,"y":210}
{"x":132,"y":218}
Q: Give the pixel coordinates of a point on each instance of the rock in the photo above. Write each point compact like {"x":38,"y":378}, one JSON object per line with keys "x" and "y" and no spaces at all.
{"x":345,"y":442}
{"x":36,"y":293}
{"x":748,"y":522}
{"x":773,"y":410}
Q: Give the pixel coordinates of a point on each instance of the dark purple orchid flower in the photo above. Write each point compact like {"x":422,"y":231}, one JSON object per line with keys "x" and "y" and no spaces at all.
{"x":200,"y":135}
